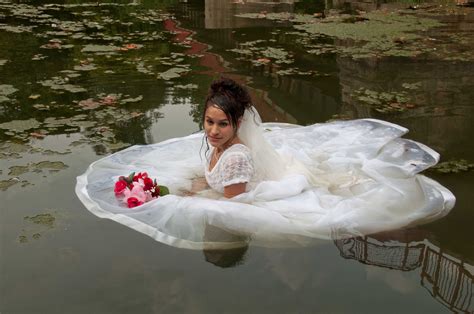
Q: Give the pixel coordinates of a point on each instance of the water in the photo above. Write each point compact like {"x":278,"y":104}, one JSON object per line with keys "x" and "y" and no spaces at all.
{"x":71,"y":104}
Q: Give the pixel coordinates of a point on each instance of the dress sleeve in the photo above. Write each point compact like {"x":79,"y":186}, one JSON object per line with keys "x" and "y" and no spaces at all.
{"x":237,"y":168}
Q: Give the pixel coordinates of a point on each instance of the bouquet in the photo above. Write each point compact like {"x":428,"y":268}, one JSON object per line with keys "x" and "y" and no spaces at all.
{"x":137,"y":189}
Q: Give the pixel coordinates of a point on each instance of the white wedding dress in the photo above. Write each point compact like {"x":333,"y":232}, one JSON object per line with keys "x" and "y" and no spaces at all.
{"x":341,"y":179}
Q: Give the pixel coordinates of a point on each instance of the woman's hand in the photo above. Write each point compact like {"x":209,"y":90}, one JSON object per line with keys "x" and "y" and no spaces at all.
{"x":197,"y":185}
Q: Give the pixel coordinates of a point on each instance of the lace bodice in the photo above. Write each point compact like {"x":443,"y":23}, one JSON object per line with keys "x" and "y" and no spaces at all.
{"x":234,"y":166}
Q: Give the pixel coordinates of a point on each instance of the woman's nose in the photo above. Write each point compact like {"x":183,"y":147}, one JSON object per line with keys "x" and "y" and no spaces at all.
{"x":214,"y":130}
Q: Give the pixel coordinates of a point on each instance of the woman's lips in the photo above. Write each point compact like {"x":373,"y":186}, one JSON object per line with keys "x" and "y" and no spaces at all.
{"x":213,"y":139}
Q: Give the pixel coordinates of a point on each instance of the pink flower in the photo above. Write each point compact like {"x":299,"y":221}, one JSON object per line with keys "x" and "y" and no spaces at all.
{"x":120,"y":186}
{"x":136,"y":192}
{"x":136,"y":189}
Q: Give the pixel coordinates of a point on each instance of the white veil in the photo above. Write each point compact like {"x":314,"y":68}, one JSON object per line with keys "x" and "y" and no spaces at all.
{"x":268,"y":163}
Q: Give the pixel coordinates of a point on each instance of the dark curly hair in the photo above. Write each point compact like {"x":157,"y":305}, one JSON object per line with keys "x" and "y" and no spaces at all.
{"x":230,"y":97}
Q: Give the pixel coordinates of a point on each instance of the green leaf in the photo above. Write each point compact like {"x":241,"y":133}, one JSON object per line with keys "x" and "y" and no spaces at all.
{"x":130,"y":177}
{"x":164,"y":190}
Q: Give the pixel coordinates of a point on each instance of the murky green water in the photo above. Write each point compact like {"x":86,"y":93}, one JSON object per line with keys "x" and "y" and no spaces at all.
{"x":80,"y":80}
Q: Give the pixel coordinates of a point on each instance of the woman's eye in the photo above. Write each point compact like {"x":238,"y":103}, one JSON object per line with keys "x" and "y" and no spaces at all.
{"x":223,"y":124}
{"x":209,"y":122}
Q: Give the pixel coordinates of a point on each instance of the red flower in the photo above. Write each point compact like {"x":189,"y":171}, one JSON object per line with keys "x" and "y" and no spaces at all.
{"x":148,"y":184}
{"x":156,"y":191}
{"x":140,"y":175}
{"x":120,"y":186}
{"x":133,"y":202}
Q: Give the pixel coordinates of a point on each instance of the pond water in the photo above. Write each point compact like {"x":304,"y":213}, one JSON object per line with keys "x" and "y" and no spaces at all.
{"x":80,"y":80}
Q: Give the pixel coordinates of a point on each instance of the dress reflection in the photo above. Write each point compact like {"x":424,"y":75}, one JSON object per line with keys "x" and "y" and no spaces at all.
{"x":448,"y":279}
{"x":230,"y":249}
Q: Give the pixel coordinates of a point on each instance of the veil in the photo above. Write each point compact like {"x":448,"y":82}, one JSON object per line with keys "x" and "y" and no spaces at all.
{"x":269,"y":163}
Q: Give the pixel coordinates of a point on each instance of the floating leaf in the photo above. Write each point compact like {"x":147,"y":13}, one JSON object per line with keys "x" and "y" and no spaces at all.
{"x":20,"y":125}
{"x":5,"y":184}
{"x":89,"y":104}
{"x":188,"y":86}
{"x":47,"y":220}
{"x":6,"y":90}
{"x":100,"y":48}
{"x":453,"y":166}
{"x":172,"y":73}
{"x":18,"y":170}
{"x":58,"y":83}
{"x":85,"y":67}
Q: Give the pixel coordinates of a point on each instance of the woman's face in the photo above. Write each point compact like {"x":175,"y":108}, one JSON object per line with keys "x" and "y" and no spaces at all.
{"x":218,"y":127}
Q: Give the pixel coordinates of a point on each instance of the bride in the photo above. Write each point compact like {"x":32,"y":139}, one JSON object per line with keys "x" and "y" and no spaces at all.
{"x":271,"y":183}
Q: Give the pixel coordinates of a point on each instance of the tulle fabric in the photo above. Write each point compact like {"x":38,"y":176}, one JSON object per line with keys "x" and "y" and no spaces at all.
{"x":363,"y":179}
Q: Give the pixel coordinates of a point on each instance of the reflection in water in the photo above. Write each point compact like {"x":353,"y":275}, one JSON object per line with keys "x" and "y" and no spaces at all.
{"x":442,"y":110}
{"x":224,"y":249}
{"x":447,"y":279}
{"x":226,"y":258}
{"x":221,"y":14}
{"x":215,"y":66}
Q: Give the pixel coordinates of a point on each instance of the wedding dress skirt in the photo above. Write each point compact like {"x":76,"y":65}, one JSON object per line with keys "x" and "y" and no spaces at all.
{"x":363,"y":179}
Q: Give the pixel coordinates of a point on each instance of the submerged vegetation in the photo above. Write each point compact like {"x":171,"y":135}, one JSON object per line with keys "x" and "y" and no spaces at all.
{"x":399,"y":33}
{"x":453,"y":166}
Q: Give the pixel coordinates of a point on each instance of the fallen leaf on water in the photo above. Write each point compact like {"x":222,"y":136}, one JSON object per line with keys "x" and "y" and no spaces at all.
{"x":34,"y":96}
{"x":263,"y":60}
{"x":109,"y":100}
{"x":37,"y":135}
{"x":130,"y":47}
{"x":89,"y":103}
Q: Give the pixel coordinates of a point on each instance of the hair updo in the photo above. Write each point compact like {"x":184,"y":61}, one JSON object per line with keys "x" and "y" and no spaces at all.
{"x":230,"y":97}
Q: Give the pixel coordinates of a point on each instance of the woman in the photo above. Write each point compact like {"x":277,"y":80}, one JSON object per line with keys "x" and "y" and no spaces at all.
{"x":277,"y":184}
{"x":230,"y":166}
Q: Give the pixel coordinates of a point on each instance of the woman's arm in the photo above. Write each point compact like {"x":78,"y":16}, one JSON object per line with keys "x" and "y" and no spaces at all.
{"x":234,"y":189}
{"x":197,"y":185}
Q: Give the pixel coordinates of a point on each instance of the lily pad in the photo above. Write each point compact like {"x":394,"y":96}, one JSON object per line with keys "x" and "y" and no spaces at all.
{"x":131,"y":100}
{"x":18,"y":170}
{"x":172,"y":73}
{"x":5,"y":184}
{"x":453,"y":166}
{"x":58,"y":83}
{"x":50,"y":165}
{"x":17,"y":29}
{"x":13,"y":150}
{"x":38,"y":57}
{"x":89,"y":104}
{"x":85,"y":67}
{"x":3,"y":62}
{"x":383,"y":102}
{"x":46,"y":220}
{"x":187,"y":86}
{"x":367,"y":34}
{"x":20,"y":125}
{"x":41,"y":107}
{"x":6,"y":90}
{"x":100,"y":48}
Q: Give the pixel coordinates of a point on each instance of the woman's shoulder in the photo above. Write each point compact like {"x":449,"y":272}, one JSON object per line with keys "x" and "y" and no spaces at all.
{"x":237,"y":154}
{"x":238,"y":148}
